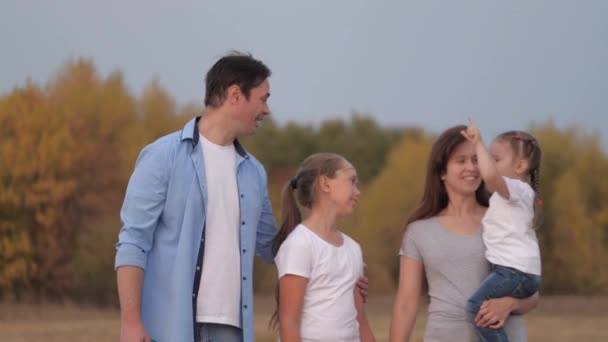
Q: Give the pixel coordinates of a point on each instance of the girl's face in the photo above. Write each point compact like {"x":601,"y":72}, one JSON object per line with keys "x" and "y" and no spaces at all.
{"x":507,"y":163}
{"x":343,"y":189}
{"x":462,"y":172}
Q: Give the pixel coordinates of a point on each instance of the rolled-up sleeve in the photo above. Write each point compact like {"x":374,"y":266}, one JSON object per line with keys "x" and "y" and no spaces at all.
{"x":143,"y":205}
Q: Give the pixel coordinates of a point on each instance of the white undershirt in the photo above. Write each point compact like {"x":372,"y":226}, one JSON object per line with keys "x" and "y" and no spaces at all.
{"x":219,"y":294}
{"x":508,"y":230}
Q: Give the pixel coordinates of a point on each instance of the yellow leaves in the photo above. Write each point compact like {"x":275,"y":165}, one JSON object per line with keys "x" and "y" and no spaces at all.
{"x":574,"y":244}
{"x":67,"y":149}
{"x":50,"y":191}
{"x":575,"y":193}
{"x":15,"y":255}
{"x":60,"y":149}
{"x":385,"y":204}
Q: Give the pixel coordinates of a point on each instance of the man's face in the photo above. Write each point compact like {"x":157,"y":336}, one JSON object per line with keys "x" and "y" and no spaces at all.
{"x":252,"y":111}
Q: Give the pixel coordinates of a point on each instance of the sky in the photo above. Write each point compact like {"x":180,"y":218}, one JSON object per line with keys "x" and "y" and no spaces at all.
{"x":431,"y":64}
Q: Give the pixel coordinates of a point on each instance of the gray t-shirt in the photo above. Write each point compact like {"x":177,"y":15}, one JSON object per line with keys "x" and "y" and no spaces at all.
{"x":455,"y":267}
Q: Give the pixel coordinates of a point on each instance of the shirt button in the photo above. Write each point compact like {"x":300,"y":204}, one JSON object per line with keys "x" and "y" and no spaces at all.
{"x":243,"y":222}
{"x":244,"y":278}
{"x":193,"y":295}
{"x":244,"y":250}
{"x":242,"y":195}
{"x":245,"y":306}
{"x":198,"y":268}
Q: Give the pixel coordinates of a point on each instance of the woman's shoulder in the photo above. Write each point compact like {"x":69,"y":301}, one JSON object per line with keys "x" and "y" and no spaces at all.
{"x":422,"y":226}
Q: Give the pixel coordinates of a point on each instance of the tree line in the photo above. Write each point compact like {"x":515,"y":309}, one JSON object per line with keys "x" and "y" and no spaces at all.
{"x":67,"y":149}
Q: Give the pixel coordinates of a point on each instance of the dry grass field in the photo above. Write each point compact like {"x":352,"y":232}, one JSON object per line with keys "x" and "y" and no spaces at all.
{"x":579,"y":319}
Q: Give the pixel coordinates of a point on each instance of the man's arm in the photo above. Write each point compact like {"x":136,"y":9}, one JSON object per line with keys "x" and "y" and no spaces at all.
{"x":142,"y":207}
{"x":130,"y":281}
{"x":267,"y":227}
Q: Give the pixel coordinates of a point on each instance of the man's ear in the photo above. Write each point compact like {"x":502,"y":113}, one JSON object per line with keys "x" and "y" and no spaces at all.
{"x":234,"y":94}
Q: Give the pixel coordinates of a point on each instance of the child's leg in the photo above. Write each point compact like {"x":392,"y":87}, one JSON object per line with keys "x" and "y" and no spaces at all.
{"x":503,"y":282}
{"x":529,"y":285}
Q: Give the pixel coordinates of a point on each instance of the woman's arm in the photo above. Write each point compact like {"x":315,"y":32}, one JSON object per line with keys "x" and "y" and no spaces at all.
{"x":494,"y":312}
{"x":291,"y":300}
{"x":523,"y":306}
{"x":407,"y":299}
{"x":365,"y":332}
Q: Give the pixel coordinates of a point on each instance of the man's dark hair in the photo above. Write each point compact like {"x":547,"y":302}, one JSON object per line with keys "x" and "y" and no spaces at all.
{"x":235,"y":68}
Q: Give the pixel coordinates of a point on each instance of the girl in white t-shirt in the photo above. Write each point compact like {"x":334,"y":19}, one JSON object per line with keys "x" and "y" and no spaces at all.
{"x":511,"y":169}
{"x":319,"y":266}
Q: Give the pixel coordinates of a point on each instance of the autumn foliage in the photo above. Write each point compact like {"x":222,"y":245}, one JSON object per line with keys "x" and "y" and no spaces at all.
{"x":68,"y":147}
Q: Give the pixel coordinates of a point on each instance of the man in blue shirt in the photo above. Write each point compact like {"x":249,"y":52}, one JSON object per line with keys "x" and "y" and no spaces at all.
{"x":195,"y":211}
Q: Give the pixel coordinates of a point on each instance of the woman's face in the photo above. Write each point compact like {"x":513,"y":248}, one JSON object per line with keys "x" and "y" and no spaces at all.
{"x":462,"y":173}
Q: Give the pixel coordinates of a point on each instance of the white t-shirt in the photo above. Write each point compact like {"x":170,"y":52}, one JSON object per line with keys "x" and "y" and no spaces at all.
{"x":508,"y":229}
{"x":329,"y":312}
{"x":219,"y":294}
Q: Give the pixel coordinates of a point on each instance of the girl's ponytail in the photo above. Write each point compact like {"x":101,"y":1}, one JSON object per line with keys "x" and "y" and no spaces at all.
{"x":291,"y":216}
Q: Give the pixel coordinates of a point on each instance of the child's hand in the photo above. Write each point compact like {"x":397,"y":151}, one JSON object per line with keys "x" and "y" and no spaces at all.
{"x":472,"y":133}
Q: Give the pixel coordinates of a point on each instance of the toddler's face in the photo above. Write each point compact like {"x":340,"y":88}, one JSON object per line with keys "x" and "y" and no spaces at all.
{"x":505,"y":158}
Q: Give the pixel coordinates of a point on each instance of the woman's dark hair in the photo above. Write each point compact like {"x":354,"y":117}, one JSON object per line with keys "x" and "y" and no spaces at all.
{"x":435,"y":197}
{"x":300,"y":191}
{"x":236,"y":68}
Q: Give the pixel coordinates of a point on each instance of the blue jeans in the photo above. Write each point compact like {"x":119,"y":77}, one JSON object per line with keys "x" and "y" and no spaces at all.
{"x":502,"y":282}
{"x":211,"y":332}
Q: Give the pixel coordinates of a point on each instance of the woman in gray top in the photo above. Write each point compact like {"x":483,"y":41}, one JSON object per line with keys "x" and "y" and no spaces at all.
{"x":443,"y":245}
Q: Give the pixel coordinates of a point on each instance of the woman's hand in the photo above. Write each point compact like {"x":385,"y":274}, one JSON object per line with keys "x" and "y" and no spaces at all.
{"x":494,"y":312}
{"x":362,"y":288}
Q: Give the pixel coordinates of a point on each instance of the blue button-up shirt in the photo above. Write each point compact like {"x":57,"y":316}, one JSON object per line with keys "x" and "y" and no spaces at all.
{"x":163,"y":219}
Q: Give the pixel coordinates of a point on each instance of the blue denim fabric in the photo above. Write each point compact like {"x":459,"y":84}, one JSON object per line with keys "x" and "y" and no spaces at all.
{"x":502,"y":282}
{"x":163,"y":231}
{"x":210,"y":332}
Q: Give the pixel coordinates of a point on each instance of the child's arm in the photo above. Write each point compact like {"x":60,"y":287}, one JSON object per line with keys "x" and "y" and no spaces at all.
{"x":407,"y":299}
{"x":487,"y":166}
{"x":365,"y":332}
{"x":291,"y":300}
